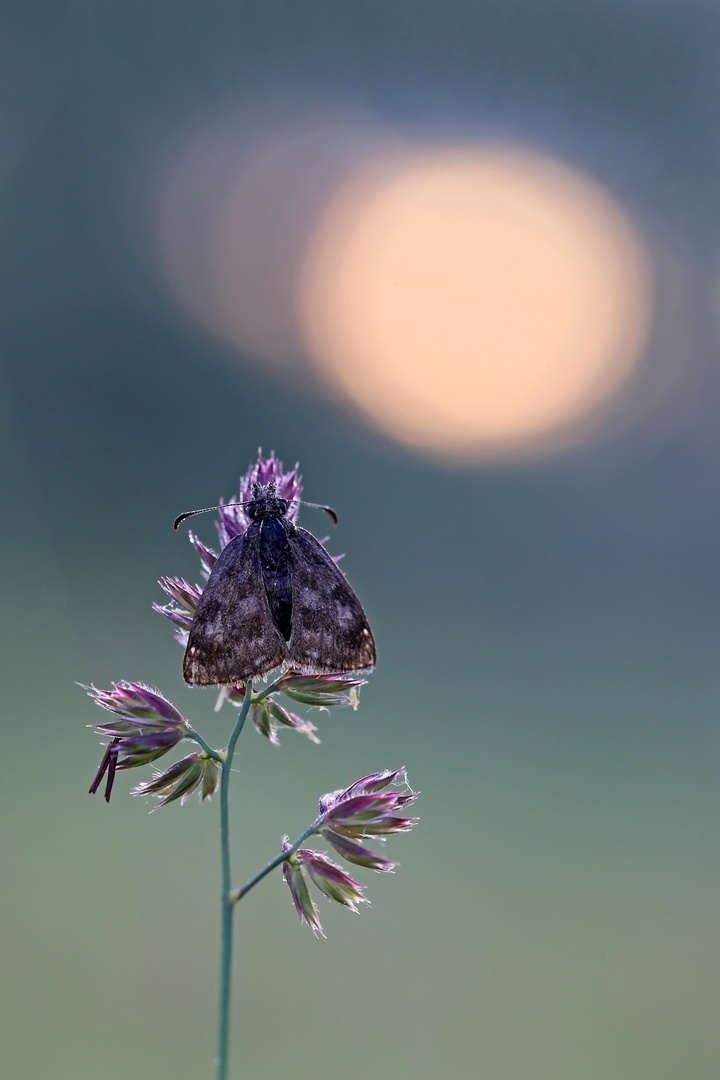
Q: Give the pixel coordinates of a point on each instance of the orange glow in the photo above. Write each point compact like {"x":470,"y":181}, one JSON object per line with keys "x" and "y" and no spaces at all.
{"x":475,"y":303}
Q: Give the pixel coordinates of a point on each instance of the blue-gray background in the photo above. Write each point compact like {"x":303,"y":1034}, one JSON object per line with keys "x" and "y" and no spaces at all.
{"x":549,"y":634}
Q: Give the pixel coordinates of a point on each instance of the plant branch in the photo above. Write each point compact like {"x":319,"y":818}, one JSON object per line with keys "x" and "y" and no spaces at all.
{"x":237,"y":894}
{"x":216,"y":755}
{"x":271,"y":689}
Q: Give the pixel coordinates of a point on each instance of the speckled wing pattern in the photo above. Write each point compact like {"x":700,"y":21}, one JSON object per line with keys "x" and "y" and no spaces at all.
{"x":329,"y":629}
{"x":233,"y":637}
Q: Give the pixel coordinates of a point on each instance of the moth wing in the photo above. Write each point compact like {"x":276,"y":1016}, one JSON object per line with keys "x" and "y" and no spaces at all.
{"x":233,"y":637}
{"x":329,"y":629}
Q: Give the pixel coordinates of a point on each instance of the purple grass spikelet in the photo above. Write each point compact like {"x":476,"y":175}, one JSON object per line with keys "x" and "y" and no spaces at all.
{"x":143,"y":727}
{"x":304,"y":905}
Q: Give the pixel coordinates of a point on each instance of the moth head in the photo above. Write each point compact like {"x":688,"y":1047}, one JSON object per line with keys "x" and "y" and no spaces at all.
{"x":265,"y":503}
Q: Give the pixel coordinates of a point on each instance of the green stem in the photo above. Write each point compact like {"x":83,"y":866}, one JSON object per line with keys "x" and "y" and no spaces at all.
{"x":227,"y":907}
{"x":237,"y":894}
{"x":216,"y":755}
{"x":271,"y":689}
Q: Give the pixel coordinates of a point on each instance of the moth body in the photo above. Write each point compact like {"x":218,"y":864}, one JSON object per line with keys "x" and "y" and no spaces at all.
{"x":275,"y":598}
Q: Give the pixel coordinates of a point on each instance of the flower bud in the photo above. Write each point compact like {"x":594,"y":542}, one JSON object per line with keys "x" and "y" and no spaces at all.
{"x":207,"y":556}
{"x":354,"y":852}
{"x":363,"y":809}
{"x":144,"y":727}
{"x":351,"y":815}
{"x":184,"y":599}
{"x":292,"y":720}
{"x":331,"y":879}
{"x":337,"y":689}
{"x":304,"y":906}
{"x":181,"y":779}
{"x":135,"y":701}
{"x":267,"y":714}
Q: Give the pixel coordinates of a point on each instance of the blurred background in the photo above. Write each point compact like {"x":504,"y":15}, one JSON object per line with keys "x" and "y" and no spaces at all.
{"x":462,"y":261}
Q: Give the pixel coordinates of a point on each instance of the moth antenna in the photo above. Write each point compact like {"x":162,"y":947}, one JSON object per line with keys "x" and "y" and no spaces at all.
{"x":205,"y":510}
{"x":316,"y":506}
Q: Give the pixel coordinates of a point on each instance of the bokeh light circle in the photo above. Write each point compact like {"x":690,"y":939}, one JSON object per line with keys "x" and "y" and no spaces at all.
{"x":475,"y":302}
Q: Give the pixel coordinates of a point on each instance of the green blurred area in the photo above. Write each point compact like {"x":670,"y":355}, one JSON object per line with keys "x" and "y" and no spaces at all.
{"x":548,"y":634}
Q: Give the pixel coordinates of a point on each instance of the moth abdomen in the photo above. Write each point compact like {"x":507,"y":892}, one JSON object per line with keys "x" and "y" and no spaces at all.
{"x":277,"y":572}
